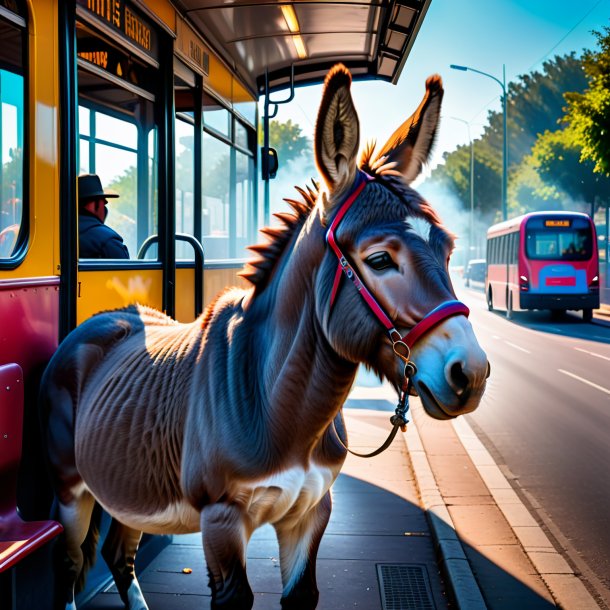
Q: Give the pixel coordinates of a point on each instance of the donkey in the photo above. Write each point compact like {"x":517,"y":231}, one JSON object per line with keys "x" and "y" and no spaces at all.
{"x":234,"y":420}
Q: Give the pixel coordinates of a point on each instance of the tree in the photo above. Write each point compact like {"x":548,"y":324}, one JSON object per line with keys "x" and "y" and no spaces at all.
{"x":589,"y":112}
{"x":286,"y":138}
{"x":556,"y":157}
{"x":536,"y":104}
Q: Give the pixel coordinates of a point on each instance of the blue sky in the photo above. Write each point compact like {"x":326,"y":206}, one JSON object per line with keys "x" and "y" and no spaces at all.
{"x":482,"y":34}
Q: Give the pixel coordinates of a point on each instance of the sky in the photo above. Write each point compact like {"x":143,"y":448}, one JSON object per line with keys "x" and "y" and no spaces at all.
{"x":482,"y":34}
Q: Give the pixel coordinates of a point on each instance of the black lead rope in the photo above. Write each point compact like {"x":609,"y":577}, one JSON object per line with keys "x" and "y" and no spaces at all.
{"x":399,"y":419}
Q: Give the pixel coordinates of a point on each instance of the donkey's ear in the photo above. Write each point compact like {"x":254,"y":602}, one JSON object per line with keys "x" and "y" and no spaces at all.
{"x":337,"y":131}
{"x":411,"y":144}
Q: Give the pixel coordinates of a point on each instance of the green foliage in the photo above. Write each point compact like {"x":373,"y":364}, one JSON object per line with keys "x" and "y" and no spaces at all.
{"x":536,"y":105}
{"x":556,"y":157}
{"x":589,"y":112}
{"x":288,"y":140}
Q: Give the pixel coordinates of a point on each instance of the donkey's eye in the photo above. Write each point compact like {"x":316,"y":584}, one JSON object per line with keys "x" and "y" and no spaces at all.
{"x":380,"y":261}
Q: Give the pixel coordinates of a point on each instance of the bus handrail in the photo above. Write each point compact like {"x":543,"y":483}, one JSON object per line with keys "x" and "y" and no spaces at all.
{"x":199,"y":262}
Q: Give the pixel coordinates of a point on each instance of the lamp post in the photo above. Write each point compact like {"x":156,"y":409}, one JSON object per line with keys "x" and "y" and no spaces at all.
{"x":471,"y":227}
{"x":502,"y":84}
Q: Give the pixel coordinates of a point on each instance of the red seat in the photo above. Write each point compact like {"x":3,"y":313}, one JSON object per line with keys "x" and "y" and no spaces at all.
{"x":18,"y":538}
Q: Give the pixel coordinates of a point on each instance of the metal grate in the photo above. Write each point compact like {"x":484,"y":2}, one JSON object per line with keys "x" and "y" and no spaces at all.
{"x":404,"y":587}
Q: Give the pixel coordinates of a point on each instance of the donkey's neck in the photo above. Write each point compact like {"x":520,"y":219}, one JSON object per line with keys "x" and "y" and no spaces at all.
{"x":304,"y":381}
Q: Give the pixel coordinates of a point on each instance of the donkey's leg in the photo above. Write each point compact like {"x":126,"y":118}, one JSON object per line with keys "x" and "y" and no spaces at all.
{"x":225,"y":537}
{"x":119,"y":552}
{"x":75,"y":516}
{"x":299,"y":544}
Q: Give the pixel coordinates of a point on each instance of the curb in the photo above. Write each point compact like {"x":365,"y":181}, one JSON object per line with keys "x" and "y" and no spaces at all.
{"x":454,"y":563}
{"x":563,"y":584}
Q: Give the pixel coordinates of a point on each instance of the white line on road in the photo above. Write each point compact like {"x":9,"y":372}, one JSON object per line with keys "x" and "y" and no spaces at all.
{"x":586,"y":351}
{"x":518,"y":347}
{"x":593,"y":385}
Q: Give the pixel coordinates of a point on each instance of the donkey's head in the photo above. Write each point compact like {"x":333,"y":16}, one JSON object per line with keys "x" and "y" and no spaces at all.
{"x":392,"y":245}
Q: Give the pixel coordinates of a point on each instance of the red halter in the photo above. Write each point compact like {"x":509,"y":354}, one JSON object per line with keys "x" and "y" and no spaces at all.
{"x":433,"y":318}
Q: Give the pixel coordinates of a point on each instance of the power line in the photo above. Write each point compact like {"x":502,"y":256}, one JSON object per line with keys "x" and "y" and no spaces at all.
{"x":491,"y":101}
{"x":566,"y":34}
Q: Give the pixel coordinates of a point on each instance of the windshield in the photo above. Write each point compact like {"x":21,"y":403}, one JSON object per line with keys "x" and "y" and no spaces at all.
{"x":558,"y":239}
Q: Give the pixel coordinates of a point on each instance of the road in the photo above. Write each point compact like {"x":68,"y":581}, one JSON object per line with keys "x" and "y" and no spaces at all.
{"x":545,"y":418}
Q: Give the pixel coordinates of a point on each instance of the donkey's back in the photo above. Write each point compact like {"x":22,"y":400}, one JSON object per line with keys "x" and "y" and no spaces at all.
{"x":114,"y":399}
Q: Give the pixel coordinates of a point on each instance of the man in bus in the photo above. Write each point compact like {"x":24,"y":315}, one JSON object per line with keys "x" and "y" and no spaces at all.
{"x":96,"y":239}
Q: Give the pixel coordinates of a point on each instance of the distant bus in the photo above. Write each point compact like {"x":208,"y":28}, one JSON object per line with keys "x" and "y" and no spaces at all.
{"x":543,"y":260}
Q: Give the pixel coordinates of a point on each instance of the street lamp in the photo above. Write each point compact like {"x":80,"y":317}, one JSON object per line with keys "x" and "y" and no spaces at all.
{"x":471,"y":228}
{"x":502,"y":84}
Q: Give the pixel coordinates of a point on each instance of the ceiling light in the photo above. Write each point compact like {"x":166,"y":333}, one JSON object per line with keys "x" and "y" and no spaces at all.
{"x":291,"y":17}
{"x":300,"y":46}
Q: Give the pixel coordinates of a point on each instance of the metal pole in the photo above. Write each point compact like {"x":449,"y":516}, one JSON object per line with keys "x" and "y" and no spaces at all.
{"x":505,"y":149}
{"x":502,"y":84}
{"x":471,"y":191}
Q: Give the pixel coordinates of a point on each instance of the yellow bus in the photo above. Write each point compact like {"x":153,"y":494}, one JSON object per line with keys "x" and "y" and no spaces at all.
{"x":160,"y":99}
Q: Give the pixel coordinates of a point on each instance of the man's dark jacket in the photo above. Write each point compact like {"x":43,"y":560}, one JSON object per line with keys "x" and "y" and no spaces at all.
{"x":96,"y":240}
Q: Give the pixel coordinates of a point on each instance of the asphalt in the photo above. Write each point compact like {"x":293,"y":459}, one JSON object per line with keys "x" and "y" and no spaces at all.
{"x":432,"y":523}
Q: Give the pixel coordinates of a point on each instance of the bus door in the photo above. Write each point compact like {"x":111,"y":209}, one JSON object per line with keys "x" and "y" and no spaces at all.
{"x":124,"y":123}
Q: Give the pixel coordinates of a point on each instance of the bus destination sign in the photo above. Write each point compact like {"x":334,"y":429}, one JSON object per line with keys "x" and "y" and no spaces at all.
{"x":126,"y":20}
{"x":557,"y":223}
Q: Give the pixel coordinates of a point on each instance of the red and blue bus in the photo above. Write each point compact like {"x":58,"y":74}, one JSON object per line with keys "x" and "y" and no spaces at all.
{"x":543,"y":260}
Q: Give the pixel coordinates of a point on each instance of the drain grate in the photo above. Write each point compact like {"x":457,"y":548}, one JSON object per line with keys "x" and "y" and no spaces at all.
{"x":404,"y":586}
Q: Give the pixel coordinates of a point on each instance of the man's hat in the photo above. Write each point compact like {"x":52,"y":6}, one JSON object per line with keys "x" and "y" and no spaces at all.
{"x":90,"y":187}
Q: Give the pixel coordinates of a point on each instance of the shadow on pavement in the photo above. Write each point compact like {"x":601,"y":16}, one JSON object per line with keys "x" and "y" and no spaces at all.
{"x":568,"y":324}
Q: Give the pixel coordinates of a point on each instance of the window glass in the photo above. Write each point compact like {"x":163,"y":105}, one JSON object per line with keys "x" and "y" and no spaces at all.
{"x":185,"y":181}
{"x":247,"y":110}
{"x":109,"y":148}
{"x":561,"y":245}
{"x":84,"y":119}
{"x":216,"y":177}
{"x":216,"y":116}
{"x":116,"y":130}
{"x":117,"y":171}
{"x":11,"y":139}
{"x":245,"y":225}
{"x":241,"y":135}
{"x":83,"y":158}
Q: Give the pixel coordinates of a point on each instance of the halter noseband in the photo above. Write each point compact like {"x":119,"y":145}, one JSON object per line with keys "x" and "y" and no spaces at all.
{"x":401,"y":345}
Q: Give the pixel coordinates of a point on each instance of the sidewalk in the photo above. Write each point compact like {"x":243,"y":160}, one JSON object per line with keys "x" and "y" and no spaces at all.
{"x":602,"y":314}
{"x":436,"y":527}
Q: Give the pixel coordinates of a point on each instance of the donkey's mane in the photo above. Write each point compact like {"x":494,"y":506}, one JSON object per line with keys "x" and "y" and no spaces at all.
{"x":394,"y":181}
{"x":259,"y":270}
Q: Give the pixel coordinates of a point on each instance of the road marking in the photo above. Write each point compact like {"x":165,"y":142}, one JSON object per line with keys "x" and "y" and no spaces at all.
{"x":593,"y":385}
{"x":586,"y":351}
{"x":518,"y":347}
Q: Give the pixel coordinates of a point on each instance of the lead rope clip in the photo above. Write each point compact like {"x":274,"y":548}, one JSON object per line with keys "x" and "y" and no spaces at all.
{"x":401,"y":349}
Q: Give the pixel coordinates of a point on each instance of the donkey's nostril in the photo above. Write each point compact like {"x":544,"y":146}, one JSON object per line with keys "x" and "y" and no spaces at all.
{"x":488,"y":370}
{"x":458,"y":379}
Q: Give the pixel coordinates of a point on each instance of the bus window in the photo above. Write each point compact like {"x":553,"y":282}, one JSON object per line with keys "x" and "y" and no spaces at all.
{"x":244,"y":202}
{"x":228,"y":179}
{"x":117,"y":122}
{"x":573,"y":243}
{"x":109,"y":148}
{"x":11,"y":138}
{"x":185,"y":184}
{"x":216,"y":191}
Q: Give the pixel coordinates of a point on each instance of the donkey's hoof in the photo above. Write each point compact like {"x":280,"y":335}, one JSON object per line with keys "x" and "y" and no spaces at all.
{"x":135,"y":599}
{"x":300,"y":599}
